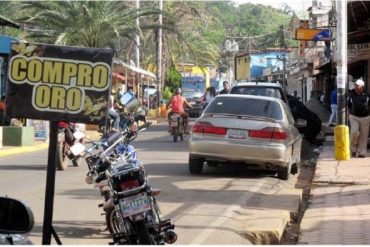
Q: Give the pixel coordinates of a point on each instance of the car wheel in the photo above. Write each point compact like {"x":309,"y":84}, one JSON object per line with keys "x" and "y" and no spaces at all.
{"x":295,"y":169}
{"x":284,"y":172}
{"x":195,"y":166}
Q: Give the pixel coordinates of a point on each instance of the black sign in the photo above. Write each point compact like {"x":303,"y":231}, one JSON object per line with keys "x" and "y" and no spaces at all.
{"x":58,"y":82}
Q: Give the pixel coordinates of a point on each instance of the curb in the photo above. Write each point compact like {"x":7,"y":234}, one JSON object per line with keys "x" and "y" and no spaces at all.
{"x":14,"y":150}
{"x":7,"y":151}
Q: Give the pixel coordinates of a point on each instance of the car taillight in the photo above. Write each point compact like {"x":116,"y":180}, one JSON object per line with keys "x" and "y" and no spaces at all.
{"x":208,"y":128}
{"x":130,"y":184}
{"x":269,"y":133}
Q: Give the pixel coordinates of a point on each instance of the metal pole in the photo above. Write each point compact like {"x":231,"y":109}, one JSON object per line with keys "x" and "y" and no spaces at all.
{"x":341,"y":133}
{"x":341,"y":59}
{"x":159,"y":55}
{"x":50,"y":185}
{"x":283,"y":56}
{"x":137,"y":53}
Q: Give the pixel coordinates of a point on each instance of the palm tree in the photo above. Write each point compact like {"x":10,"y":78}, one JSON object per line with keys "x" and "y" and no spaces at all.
{"x":186,"y":36}
{"x":83,"y":23}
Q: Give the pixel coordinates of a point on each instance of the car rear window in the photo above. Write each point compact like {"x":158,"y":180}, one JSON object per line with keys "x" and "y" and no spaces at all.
{"x":262,"y":91}
{"x":244,"y":106}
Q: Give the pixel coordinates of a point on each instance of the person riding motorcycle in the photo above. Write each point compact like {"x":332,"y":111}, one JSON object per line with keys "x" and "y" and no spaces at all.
{"x":177,"y":106}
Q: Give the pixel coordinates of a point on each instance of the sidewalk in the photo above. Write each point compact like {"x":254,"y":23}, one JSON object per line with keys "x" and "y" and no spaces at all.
{"x":41,"y":145}
{"x":339,"y":206}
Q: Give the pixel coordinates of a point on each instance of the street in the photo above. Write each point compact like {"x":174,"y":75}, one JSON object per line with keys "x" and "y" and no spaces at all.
{"x":223,"y":205}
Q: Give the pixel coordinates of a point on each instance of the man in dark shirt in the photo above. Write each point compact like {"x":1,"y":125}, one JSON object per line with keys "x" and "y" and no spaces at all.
{"x":226,"y":88}
{"x":358,"y":106}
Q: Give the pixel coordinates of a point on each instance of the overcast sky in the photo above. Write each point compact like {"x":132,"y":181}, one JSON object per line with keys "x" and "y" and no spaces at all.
{"x":298,"y":6}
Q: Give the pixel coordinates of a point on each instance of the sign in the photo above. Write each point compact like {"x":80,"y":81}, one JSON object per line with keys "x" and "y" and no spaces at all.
{"x":313,"y":34}
{"x":41,"y":129}
{"x":358,"y":52}
{"x":58,"y":82}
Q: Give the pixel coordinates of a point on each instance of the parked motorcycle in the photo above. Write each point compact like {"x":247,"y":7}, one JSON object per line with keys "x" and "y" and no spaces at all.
{"x":16,"y":219}
{"x":177,"y":124}
{"x":132,"y":213}
{"x":66,"y":138}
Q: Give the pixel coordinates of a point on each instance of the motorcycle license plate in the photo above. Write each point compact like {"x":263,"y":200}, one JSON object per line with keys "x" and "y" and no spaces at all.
{"x":134,"y":204}
{"x":237,"y":134}
{"x":174,"y":124}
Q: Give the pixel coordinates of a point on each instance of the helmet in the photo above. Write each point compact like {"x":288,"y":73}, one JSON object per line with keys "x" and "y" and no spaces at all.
{"x":178,"y":91}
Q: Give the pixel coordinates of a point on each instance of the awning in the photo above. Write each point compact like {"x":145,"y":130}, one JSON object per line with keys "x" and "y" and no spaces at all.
{"x":134,"y":69}
{"x":121,"y":77}
{"x":6,"y":22}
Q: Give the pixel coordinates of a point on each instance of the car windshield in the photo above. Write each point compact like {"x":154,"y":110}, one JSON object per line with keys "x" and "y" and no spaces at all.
{"x":191,"y":94}
{"x":257,"y":90}
{"x":245,"y":106}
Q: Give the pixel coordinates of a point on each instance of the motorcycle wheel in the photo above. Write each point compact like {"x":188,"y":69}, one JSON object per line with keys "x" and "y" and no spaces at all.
{"x":61,"y":158}
{"x":112,"y":222}
{"x":181,"y":137}
{"x":143,"y":233}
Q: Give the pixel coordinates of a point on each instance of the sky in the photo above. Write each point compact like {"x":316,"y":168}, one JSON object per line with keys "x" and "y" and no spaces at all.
{"x":298,"y":6}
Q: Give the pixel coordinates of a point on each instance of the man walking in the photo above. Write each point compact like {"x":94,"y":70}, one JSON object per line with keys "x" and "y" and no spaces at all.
{"x":358,"y":106}
{"x":334,"y":107}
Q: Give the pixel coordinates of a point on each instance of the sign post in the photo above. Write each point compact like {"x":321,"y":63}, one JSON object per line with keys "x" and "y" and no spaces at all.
{"x":58,"y":83}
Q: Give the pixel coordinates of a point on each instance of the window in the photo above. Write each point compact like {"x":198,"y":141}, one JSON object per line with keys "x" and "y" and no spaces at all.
{"x":245,"y":106}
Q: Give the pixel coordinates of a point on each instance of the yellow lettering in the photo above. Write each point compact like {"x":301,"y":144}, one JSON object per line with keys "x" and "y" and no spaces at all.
{"x":84,"y":75}
{"x":58,"y":98}
{"x":100,"y":76}
{"x":18,"y":67}
{"x":34,"y":70}
{"x":70,"y":70}
{"x":42,"y":96}
{"x":74,"y":99}
{"x":52,"y":72}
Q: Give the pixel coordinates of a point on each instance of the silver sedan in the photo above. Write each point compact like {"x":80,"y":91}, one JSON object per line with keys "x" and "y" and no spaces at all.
{"x":257,"y":131}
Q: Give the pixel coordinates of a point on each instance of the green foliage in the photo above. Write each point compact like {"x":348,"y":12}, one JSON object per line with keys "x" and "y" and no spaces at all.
{"x":173,"y":79}
{"x":167,"y":93}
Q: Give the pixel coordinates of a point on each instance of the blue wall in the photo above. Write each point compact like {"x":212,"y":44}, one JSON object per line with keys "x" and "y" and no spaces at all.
{"x":5,"y":44}
{"x":261,"y":61}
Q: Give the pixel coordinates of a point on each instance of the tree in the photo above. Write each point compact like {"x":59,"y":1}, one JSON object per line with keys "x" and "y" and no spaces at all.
{"x":83,"y":23}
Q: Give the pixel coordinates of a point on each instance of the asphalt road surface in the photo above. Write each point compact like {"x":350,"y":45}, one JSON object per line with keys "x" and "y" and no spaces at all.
{"x":224,"y":205}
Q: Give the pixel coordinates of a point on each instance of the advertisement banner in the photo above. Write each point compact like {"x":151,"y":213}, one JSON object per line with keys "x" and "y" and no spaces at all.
{"x":313,"y":34}
{"x":58,"y":83}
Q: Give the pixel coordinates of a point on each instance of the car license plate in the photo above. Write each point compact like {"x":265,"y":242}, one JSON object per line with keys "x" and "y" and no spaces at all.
{"x":134,"y":204}
{"x":237,"y":134}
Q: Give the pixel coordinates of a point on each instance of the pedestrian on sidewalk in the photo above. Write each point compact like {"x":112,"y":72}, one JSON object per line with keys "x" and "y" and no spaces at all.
{"x":334,"y":107}
{"x":358,"y":106}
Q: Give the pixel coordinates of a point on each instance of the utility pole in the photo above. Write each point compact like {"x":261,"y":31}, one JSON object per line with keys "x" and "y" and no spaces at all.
{"x":283,"y":57}
{"x":137,"y":60}
{"x":341,"y":131}
{"x":159,"y":55}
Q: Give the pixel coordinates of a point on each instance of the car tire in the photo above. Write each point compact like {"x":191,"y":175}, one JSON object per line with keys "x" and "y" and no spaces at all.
{"x":284,"y":172}
{"x":195,"y":166}
{"x":295,"y":169}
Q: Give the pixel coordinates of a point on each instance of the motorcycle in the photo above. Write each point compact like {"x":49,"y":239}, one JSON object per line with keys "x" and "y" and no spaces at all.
{"x":177,"y":124}
{"x":132,"y":213}
{"x":16,"y":219}
{"x":68,"y":134}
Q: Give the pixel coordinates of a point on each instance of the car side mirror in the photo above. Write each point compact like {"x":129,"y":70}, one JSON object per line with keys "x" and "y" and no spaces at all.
{"x":300,"y":123}
{"x":15,"y":217}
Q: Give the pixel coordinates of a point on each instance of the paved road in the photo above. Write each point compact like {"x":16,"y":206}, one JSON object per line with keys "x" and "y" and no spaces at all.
{"x":228,"y":205}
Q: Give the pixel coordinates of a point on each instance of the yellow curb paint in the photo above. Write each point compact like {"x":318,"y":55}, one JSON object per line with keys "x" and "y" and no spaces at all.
{"x":20,"y":150}
{"x":8,"y":151}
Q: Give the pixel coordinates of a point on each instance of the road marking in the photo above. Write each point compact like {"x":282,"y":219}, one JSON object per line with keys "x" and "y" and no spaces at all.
{"x":206,"y":233}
